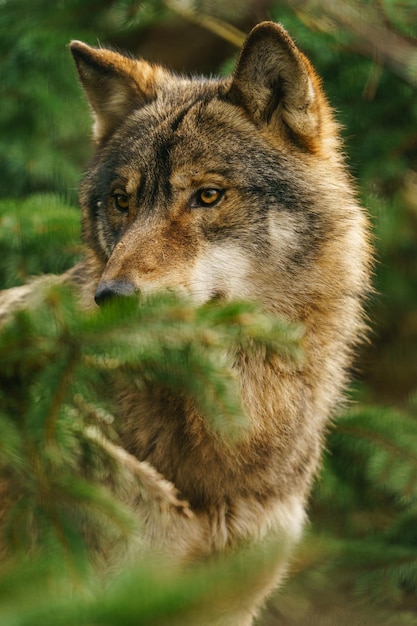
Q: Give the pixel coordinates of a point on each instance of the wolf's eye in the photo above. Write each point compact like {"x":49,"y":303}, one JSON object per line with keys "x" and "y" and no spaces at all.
{"x":207,"y":197}
{"x":121,"y":202}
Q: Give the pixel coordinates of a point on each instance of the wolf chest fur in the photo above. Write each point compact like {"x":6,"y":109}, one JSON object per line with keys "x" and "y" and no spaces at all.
{"x":222,"y":189}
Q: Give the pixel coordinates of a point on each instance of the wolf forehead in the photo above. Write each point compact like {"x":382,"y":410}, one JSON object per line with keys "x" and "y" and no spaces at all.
{"x":184,"y":127}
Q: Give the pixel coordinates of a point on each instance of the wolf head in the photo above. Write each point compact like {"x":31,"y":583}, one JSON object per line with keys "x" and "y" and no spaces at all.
{"x":230,"y":188}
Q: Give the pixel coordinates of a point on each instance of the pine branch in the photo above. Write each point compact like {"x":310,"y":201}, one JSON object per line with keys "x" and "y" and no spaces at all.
{"x":56,"y":361}
{"x":154,"y":486}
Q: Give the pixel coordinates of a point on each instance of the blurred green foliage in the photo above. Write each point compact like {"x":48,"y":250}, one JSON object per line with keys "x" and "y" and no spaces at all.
{"x":358,"y":563}
{"x":39,"y":234}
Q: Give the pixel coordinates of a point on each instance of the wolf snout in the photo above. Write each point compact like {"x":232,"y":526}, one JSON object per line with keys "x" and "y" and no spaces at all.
{"x":109,"y":289}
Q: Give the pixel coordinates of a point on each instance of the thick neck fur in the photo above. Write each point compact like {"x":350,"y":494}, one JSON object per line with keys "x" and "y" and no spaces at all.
{"x":274,"y":457}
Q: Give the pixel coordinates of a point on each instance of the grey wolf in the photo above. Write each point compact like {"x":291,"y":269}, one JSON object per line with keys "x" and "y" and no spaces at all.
{"x":222,"y":189}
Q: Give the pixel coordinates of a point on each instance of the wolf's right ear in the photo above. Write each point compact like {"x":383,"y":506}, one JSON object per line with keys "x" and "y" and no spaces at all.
{"x":114,"y":85}
{"x":275,"y":83}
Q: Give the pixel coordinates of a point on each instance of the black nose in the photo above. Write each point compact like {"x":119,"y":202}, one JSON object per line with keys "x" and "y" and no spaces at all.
{"x":112,"y":288}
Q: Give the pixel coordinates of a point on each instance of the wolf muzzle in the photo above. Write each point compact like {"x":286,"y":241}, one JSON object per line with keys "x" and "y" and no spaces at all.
{"x":107,"y":290}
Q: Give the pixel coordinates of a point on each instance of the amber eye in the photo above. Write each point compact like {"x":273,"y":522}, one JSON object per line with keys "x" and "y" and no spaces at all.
{"x":207,"y":197}
{"x":121,"y":202}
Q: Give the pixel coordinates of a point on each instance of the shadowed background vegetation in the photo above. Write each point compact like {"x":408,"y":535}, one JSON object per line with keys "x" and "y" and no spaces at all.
{"x":358,"y":562}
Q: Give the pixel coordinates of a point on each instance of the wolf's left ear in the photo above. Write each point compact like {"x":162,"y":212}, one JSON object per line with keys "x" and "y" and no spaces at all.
{"x":114,"y":84}
{"x":275,"y":83}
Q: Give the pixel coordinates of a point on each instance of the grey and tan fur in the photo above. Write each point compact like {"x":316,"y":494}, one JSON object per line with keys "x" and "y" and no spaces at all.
{"x":229,"y":188}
